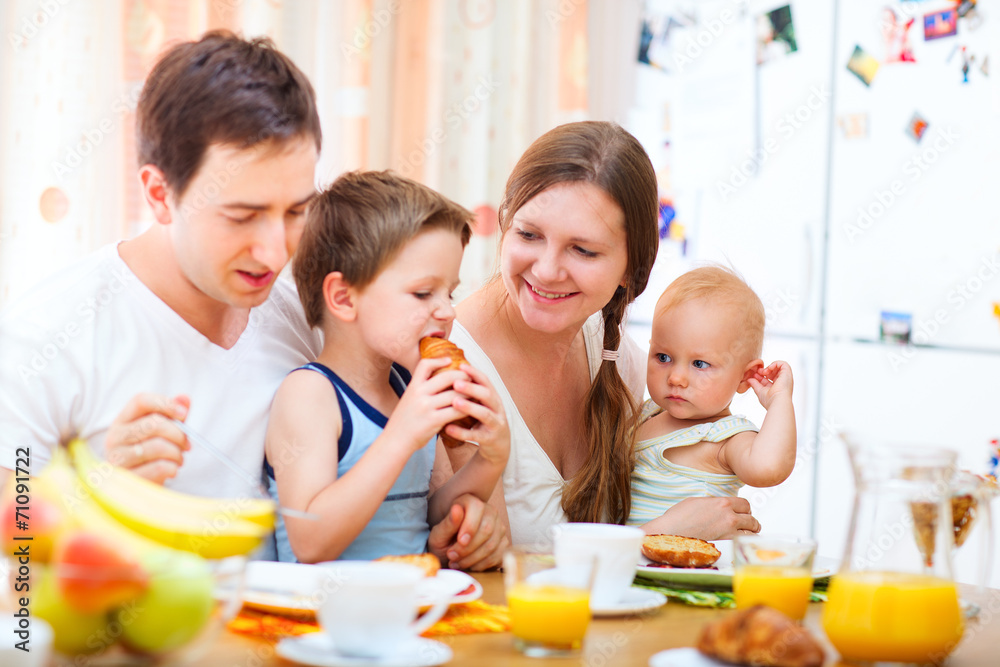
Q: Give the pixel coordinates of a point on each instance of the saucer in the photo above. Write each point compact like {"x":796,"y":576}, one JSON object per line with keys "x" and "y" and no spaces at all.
{"x":682,"y":657}
{"x":634,"y":601}
{"x":317,"y":649}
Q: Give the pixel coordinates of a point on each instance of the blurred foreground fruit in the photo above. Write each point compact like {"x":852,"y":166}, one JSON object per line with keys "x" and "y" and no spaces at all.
{"x":94,"y":574}
{"x":45,"y":521}
{"x":176,"y":605}
{"x":209,"y":527}
{"x":75,"y":632}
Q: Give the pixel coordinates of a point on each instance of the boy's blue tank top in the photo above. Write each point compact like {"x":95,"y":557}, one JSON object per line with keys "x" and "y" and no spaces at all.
{"x":400,"y":523}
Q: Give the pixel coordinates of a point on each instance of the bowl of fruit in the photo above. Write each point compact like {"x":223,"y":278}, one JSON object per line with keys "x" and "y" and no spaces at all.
{"x":123,"y":570}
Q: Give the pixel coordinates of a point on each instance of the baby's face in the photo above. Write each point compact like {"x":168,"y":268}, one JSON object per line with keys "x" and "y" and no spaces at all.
{"x":696,"y":361}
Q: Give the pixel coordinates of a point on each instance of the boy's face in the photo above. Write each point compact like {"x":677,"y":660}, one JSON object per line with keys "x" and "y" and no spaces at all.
{"x":411,"y":297}
{"x":696,"y":362}
{"x":241,"y":217}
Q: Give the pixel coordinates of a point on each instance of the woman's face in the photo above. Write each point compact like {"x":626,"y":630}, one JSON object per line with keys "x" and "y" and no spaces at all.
{"x":564,"y":256}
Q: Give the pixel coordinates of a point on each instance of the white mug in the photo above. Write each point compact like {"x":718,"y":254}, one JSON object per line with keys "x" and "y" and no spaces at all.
{"x":617,"y":549}
{"x":370,"y":607}
{"x":39,"y":638}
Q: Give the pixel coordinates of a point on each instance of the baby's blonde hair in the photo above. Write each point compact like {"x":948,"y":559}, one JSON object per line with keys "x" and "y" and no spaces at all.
{"x":723,"y":286}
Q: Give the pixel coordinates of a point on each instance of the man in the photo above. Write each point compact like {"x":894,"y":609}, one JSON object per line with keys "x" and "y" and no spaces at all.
{"x":189,"y":321}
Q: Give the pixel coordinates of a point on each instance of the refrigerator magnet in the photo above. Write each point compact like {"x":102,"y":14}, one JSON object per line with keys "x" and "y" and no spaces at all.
{"x":863,"y":65}
{"x":917,"y":127}
{"x":775,"y":35}
{"x":895,"y":327}
{"x":940,"y":24}
{"x":853,"y":125}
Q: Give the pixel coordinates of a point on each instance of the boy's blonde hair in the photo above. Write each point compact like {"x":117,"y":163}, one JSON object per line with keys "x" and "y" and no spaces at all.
{"x":359,"y":224}
{"x":723,"y":286}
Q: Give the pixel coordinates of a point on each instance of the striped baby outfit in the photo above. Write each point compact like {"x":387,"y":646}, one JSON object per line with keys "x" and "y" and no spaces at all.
{"x":658,"y":484}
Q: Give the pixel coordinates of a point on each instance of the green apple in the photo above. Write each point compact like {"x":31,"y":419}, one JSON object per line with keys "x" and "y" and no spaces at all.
{"x":176,"y":605}
{"x":75,"y":632}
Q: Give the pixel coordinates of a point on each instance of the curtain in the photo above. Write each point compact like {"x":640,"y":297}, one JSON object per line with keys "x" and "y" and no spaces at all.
{"x":447,"y":92}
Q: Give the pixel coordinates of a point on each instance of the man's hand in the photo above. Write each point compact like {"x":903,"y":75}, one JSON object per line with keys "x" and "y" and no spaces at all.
{"x":143,"y":438}
{"x":706,"y":518}
{"x":470,"y":537}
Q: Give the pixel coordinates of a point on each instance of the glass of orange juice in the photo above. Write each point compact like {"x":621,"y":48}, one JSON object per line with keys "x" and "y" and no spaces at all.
{"x":549,"y":605}
{"x":774,"y":570}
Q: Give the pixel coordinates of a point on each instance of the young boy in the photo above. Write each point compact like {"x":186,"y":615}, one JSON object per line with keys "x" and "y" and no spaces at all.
{"x":708,"y":330}
{"x":352,"y":436}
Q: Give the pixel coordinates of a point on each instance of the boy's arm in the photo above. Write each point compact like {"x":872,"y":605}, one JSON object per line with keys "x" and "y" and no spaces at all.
{"x":768,"y":457}
{"x":301,"y":445}
{"x":302,"y":439}
{"x":480,"y":473}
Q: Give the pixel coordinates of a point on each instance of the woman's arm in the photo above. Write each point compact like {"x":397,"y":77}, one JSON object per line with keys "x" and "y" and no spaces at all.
{"x":480,"y":472}
{"x":455,"y":458}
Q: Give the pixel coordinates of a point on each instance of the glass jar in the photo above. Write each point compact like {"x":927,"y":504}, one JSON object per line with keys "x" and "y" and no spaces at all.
{"x":895,"y":598}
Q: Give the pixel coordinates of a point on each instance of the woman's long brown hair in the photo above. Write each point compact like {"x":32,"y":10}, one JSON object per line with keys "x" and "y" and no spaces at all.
{"x":610,"y":158}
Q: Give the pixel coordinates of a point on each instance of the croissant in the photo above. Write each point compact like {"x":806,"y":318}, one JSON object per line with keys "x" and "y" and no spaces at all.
{"x":432,"y":347}
{"x":760,"y":636}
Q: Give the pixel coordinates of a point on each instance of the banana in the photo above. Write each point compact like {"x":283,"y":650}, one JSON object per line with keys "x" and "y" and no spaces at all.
{"x":121,"y":486}
{"x":157,"y":514}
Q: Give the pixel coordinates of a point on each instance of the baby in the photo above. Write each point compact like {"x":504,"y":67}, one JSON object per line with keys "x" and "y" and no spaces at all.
{"x":708,"y":329}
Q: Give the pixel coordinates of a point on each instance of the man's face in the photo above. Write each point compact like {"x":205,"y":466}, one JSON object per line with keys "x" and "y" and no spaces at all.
{"x":241,"y":217}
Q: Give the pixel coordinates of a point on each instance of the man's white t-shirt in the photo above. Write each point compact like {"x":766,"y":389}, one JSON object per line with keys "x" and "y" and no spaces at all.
{"x":77,"y":347}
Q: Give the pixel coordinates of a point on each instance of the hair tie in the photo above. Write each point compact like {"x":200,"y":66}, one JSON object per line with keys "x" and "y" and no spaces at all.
{"x":609,"y":355}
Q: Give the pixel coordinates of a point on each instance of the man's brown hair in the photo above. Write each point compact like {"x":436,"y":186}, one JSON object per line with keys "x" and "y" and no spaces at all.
{"x":221,"y":89}
{"x":359,"y":224}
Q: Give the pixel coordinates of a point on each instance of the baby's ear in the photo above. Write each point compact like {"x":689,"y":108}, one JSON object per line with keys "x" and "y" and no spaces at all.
{"x":339,"y":297}
{"x":751,"y":370}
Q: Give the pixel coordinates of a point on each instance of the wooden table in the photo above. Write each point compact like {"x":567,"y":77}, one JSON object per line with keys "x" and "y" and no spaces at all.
{"x":629,"y":640}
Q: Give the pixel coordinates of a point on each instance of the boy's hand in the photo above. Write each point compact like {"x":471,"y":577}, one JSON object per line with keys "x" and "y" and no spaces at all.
{"x":772,"y":382}
{"x":478,"y":399}
{"x":426,"y":405}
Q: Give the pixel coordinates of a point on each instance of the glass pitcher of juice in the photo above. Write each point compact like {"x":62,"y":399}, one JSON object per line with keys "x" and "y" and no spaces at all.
{"x":894,"y":598}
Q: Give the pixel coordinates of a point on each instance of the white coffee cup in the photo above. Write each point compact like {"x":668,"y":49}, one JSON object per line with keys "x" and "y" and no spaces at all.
{"x":617,"y":549}
{"x":370,"y":607}
{"x":36,"y":638}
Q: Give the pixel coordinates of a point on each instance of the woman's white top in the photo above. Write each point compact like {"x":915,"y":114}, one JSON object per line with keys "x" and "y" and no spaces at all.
{"x":532,"y":485}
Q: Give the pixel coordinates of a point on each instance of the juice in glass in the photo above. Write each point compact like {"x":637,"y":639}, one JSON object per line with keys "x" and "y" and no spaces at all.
{"x":786,"y":589}
{"x":892,"y":617}
{"x":550,"y":616}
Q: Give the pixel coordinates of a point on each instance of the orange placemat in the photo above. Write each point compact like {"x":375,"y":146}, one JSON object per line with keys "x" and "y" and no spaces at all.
{"x":460,"y":619}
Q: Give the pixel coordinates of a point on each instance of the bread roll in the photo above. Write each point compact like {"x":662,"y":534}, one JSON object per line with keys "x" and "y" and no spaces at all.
{"x":432,"y":347}
{"x":429,"y":563}
{"x":760,"y":636}
{"x":680,"y":551}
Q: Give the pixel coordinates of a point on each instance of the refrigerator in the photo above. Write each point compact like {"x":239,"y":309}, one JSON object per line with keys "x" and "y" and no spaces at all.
{"x":849,"y":173}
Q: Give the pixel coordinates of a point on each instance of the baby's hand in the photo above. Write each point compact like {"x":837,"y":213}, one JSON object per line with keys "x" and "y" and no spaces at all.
{"x":772,"y":382}
{"x":478,"y":399}
{"x":426,"y":405}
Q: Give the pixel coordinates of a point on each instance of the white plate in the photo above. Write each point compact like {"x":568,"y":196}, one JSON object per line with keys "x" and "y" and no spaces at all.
{"x":454,"y":583}
{"x":317,"y":649}
{"x":636,"y":600}
{"x":683,"y":657}
{"x":722,"y":576}
{"x":297,"y":589}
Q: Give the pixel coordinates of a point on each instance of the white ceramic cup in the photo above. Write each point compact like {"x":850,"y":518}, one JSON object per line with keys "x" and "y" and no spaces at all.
{"x":370,"y":607}
{"x":617,"y":549}
{"x":36,"y":637}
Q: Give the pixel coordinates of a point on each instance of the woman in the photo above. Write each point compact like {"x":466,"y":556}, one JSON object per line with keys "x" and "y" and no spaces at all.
{"x":579,"y":237}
